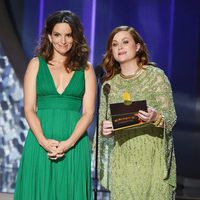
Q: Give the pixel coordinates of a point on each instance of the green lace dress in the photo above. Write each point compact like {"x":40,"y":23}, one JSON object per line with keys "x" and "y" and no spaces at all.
{"x":68,"y":178}
{"x":138,"y":163}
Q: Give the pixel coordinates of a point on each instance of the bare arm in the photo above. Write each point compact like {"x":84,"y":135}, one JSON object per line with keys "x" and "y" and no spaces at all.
{"x":30,"y":106}
{"x":88,"y":111}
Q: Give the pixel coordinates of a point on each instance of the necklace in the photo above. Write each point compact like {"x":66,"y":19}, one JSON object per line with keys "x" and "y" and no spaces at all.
{"x":131,"y":75}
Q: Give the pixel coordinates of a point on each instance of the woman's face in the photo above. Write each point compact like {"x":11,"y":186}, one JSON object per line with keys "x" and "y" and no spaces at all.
{"x":124,"y":47}
{"x":61,"y":38}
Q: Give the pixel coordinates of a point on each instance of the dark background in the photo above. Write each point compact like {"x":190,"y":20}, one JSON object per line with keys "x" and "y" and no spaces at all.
{"x":170,"y":28}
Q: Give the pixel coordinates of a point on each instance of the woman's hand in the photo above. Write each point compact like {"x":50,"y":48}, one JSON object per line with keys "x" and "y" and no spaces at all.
{"x":150,"y":116}
{"x":107,"y":128}
{"x":50,"y":146}
{"x":64,"y":146}
{"x":61,"y":149}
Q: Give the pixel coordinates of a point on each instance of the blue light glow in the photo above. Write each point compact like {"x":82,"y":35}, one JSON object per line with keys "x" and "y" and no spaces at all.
{"x":41,"y":17}
{"x":92,"y":38}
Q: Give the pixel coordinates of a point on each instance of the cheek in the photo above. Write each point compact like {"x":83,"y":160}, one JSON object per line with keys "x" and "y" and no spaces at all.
{"x":132,"y":51}
{"x":70,"y":46}
{"x":69,"y":39}
{"x":133,"y":48}
{"x":71,"y":42}
{"x":115,"y":53}
{"x":55,"y":40}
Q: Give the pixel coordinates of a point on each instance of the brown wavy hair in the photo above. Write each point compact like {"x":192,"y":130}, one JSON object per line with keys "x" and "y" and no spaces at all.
{"x":77,"y":56}
{"x":110,"y":65}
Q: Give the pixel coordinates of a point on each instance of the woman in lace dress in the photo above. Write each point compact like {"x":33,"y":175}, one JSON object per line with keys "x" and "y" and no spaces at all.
{"x":136,"y":163}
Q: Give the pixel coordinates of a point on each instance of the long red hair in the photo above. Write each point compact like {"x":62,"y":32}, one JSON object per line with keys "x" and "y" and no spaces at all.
{"x":110,"y":65}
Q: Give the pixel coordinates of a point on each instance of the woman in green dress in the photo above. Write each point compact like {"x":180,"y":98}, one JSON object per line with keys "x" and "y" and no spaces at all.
{"x":55,"y":163}
{"x":136,"y":163}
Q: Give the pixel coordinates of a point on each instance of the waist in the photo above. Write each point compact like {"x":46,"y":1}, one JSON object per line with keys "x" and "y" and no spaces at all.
{"x":62,"y":102}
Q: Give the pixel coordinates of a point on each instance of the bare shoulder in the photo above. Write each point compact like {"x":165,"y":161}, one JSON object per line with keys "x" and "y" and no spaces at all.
{"x":34,"y":63}
{"x":89,"y":69}
{"x":89,"y":66}
{"x":89,"y":73}
{"x":32,"y":68}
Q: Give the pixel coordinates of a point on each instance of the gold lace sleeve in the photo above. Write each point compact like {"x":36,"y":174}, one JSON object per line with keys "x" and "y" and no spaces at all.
{"x":164,"y":98}
{"x":165,"y":106}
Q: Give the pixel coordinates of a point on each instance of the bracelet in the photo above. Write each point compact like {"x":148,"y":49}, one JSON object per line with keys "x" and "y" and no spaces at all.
{"x":159,"y":121}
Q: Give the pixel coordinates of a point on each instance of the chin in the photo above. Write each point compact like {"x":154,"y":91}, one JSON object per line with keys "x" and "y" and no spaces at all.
{"x":122,"y":60}
{"x":63,"y":52}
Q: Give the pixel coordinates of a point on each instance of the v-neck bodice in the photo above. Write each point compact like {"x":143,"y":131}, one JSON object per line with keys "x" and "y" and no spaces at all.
{"x":49,"y":97}
{"x":53,"y":82}
{"x":58,"y":115}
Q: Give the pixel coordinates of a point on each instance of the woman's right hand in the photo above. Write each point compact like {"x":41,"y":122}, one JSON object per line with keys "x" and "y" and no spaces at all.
{"x":50,"y":146}
{"x":107,"y":128}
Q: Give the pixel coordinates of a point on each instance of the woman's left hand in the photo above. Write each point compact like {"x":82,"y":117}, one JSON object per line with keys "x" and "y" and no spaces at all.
{"x":62,"y":148}
{"x":149,"y":116}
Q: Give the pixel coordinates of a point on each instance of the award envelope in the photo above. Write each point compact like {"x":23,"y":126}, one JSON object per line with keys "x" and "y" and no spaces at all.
{"x":125,"y":116}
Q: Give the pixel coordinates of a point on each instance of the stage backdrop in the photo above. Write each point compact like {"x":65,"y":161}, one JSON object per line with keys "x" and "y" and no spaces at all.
{"x":171,"y":30}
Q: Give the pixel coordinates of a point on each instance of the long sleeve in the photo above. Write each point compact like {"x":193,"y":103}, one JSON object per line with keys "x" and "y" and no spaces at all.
{"x":165,"y":105}
{"x":163,"y":94}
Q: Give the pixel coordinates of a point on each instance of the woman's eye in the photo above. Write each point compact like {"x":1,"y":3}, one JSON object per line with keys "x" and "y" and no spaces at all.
{"x":69,"y":35}
{"x":114,"y":44}
{"x":125,"y":42}
{"x":56,"y":34}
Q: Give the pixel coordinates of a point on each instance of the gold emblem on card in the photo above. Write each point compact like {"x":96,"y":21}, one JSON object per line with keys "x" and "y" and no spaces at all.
{"x":126,"y":98}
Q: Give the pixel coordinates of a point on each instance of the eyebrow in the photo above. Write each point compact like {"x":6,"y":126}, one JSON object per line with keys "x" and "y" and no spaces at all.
{"x":60,"y":33}
{"x":122,"y":39}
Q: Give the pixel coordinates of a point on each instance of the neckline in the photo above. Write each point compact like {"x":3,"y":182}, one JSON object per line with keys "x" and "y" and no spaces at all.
{"x":131,"y":76}
{"x":53,"y":83}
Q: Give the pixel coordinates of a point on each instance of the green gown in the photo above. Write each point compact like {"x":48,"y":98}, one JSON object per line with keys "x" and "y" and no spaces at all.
{"x":138,"y":163}
{"x":68,"y":178}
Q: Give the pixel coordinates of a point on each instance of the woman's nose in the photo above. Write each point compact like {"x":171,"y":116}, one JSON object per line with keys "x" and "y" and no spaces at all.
{"x":63,"y":40}
{"x":120,"y":46}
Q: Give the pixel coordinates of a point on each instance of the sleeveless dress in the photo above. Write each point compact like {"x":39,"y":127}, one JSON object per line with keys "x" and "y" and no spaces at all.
{"x":68,"y":178}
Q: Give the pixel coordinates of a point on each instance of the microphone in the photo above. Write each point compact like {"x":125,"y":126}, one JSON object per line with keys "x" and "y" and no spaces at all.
{"x":99,"y":71}
{"x":106,"y":89}
{"x":106,"y":92}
